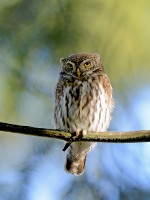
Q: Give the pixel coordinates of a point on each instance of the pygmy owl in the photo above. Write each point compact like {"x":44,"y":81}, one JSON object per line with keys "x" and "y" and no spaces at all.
{"x":83,"y":102}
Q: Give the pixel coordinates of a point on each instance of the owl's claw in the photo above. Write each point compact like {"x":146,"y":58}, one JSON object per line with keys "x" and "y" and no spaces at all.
{"x":66,"y":146}
{"x":80,"y":134}
{"x":77,"y":134}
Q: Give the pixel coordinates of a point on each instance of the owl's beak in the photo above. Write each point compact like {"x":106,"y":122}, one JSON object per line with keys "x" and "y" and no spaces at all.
{"x":78,"y":72}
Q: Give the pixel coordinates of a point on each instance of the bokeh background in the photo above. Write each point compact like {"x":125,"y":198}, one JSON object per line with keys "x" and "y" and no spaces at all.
{"x":34,"y":34}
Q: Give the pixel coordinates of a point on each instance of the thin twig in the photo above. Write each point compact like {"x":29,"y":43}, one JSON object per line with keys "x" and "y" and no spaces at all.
{"x":114,"y":137}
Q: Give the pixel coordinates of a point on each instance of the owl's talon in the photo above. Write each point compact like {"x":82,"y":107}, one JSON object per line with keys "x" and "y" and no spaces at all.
{"x":80,"y":134}
{"x":66,"y":146}
{"x":75,"y":135}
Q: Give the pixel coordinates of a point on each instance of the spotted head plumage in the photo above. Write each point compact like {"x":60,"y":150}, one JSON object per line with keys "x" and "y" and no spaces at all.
{"x":81,"y":65}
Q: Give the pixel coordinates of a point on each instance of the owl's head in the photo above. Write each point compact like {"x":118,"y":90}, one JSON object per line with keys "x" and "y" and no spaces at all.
{"x":81,"y":65}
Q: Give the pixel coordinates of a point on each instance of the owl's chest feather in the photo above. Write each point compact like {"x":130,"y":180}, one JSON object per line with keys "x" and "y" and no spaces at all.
{"x":83,"y":106}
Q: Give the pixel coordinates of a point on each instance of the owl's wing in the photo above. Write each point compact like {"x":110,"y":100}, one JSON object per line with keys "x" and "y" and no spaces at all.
{"x":59,"y":89}
{"x":108,"y":89}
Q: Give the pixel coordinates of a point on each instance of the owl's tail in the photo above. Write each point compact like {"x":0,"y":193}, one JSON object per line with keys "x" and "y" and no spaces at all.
{"x":76,"y":157}
{"x":75,"y":165}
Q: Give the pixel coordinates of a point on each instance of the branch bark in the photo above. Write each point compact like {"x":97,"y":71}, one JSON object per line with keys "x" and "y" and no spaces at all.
{"x":114,"y":137}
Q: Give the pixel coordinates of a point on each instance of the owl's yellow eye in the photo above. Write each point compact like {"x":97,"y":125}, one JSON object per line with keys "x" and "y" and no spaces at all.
{"x":69,"y":65}
{"x":87,"y":64}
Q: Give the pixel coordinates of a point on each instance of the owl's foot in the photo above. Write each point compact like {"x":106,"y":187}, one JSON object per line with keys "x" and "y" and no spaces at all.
{"x":75,"y":135}
{"x":80,"y":134}
{"x":66,"y":146}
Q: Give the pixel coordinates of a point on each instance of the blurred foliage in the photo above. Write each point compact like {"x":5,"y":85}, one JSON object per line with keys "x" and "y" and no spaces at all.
{"x":118,"y":30}
{"x":34,"y":34}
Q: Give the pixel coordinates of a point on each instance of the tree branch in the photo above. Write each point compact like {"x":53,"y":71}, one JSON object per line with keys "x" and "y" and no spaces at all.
{"x":115,"y":137}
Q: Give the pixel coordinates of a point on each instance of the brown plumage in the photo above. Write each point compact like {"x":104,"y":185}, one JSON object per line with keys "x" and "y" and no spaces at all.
{"x":83,"y":102}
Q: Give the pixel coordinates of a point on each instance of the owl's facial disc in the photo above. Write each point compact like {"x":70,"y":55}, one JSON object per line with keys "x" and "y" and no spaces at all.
{"x":80,"y":65}
{"x":73,"y":69}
